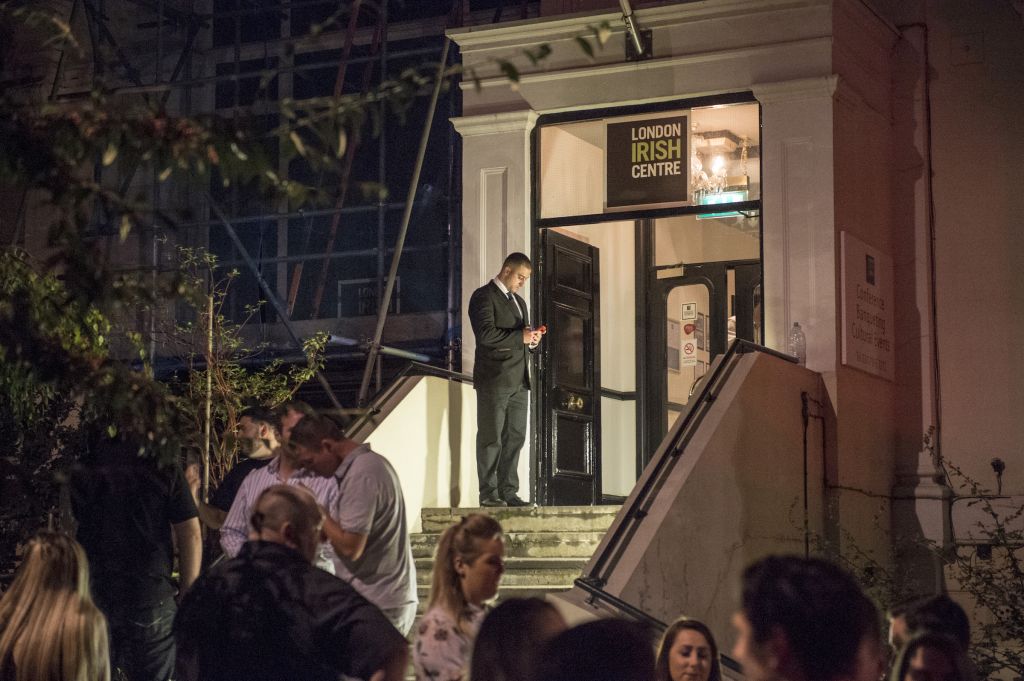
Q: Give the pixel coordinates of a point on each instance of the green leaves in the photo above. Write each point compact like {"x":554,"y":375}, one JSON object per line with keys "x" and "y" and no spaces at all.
{"x":585,"y":45}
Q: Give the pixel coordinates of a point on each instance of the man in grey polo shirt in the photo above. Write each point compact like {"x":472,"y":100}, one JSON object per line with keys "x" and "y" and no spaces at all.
{"x":367,"y":524}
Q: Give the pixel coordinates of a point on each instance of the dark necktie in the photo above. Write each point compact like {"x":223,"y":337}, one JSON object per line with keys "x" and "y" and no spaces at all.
{"x":515,"y":304}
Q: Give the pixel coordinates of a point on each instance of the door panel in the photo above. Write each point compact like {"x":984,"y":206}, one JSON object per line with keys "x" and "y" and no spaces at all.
{"x":568,"y":400}
{"x":714,"y":277}
{"x":748,"y":302}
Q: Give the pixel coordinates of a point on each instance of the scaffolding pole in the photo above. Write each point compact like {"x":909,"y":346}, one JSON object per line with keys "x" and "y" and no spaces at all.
{"x":410,"y":197}
{"x":271,"y":297}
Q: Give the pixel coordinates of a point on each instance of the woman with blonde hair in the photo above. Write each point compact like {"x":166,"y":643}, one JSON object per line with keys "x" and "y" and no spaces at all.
{"x":50,"y":629}
{"x":467,"y":569}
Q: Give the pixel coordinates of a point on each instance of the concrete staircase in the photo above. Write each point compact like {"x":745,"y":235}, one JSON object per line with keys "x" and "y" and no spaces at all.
{"x":546,"y":547}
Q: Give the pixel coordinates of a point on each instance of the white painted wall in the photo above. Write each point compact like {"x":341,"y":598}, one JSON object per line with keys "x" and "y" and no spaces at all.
{"x":735,"y":494}
{"x":430,"y":439}
{"x":976,"y":52}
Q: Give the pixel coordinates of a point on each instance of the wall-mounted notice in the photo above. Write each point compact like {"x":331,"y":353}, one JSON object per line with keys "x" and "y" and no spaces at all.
{"x":868,"y":334}
{"x":648,"y":162}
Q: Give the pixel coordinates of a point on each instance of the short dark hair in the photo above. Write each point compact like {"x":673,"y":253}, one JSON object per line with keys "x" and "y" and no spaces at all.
{"x":939,"y":614}
{"x":955,"y":654}
{"x":262,"y":415}
{"x":601,"y":649}
{"x":311,"y":430}
{"x":668,"y":639}
{"x":517,"y":259}
{"x":510,"y":640}
{"x":817,"y":605}
{"x":297,"y":406}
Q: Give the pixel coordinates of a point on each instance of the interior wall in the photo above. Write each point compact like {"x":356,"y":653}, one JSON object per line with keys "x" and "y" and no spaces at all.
{"x":689,"y":240}
{"x":616,"y":252}
{"x":571,"y":169}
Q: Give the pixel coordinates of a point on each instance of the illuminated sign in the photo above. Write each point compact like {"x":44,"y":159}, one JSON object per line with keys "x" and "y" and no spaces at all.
{"x":648,"y":163}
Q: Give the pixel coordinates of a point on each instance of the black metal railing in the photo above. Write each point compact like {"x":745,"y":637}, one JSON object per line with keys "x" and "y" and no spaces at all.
{"x":664,"y":461}
{"x":380,"y":402}
{"x":667,"y":455}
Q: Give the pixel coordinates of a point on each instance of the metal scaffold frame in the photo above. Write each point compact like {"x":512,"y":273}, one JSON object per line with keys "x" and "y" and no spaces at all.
{"x":183,"y":74}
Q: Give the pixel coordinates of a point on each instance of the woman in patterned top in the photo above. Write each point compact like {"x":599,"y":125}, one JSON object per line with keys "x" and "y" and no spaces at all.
{"x":467,"y":570}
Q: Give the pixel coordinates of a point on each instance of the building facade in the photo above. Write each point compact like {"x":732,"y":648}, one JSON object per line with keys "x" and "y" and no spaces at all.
{"x":820,"y":181}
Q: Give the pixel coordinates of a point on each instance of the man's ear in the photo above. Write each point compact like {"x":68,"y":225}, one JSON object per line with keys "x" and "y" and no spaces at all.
{"x":287,"y":532}
{"x":777,"y":655}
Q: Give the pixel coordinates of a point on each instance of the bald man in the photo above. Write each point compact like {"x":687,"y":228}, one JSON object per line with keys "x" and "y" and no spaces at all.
{"x":269,"y":614}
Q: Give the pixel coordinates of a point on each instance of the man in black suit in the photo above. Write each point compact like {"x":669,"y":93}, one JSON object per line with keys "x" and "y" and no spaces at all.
{"x":501,"y":376}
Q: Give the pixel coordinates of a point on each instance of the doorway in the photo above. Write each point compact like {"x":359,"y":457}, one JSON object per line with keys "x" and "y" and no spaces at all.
{"x":693,"y":315}
{"x":674,"y":272}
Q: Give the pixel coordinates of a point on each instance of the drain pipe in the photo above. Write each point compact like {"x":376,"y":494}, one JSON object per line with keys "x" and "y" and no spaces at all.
{"x":631,"y":27}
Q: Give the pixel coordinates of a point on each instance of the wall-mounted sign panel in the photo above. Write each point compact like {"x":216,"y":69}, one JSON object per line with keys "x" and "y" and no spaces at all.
{"x":647,"y":163}
{"x":868,"y":333}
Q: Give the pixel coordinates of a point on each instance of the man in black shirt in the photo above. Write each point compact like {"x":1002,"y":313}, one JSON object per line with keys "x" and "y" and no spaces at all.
{"x":270,"y":615}
{"x":127,"y":508}
{"x":258,"y":430}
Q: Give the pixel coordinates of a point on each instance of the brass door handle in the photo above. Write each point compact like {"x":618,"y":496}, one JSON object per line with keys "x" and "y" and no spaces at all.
{"x":573,"y":403}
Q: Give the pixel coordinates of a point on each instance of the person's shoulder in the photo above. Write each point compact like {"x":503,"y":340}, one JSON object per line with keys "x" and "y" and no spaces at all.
{"x":375,"y":464}
{"x":435,"y":617}
{"x":243,"y":468}
{"x":485,"y":290}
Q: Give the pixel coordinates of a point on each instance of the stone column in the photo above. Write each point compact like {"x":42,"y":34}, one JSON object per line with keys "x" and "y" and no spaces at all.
{"x":798,"y":218}
{"x":496,"y":216}
{"x":495,"y":201}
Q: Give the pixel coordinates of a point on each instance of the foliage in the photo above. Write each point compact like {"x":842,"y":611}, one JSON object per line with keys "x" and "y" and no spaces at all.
{"x":992,"y":578}
{"x":236,"y":381}
{"x":39,"y":423}
{"x":62,"y":359}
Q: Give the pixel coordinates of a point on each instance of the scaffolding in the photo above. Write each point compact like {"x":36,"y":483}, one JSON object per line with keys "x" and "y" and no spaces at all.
{"x":239,"y":59}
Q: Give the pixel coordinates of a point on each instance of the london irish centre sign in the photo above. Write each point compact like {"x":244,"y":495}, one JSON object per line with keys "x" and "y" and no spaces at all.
{"x":647,"y":163}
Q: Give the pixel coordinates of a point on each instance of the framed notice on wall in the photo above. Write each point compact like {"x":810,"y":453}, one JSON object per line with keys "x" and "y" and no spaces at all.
{"x":647,"y":162}
{"x":868,"y":291}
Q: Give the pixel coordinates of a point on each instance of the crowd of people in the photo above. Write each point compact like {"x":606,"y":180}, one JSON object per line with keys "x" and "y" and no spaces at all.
{"x":317,"y":581}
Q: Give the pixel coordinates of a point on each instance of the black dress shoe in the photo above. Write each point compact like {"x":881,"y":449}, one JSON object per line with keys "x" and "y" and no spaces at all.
{"x":516,"y":501}
{"x":492,"y":502}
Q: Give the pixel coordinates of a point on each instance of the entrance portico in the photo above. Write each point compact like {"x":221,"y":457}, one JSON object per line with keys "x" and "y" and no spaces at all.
{"x":818,"y":75}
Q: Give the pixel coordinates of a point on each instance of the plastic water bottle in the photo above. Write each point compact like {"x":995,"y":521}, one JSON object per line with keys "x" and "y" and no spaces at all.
{"x":798,"y":344}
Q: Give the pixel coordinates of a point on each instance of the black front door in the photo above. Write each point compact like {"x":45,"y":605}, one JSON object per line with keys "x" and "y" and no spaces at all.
{"x":568,"y":382}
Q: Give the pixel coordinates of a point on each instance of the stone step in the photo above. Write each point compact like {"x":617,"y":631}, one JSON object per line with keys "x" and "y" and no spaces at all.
{"x":505,"y":592}
{"x":528,"y":563}
{"x":528,"y":519}
{"x":526,"y":544}
{"x":522,"y":571}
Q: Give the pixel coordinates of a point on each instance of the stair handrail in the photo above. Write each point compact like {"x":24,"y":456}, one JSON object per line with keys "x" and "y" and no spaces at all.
{"x":667,"y":455}
{"x":410,"y":370}
{"x":599,"y":594}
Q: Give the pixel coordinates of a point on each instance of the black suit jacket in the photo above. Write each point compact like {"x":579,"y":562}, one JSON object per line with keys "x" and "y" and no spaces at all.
{"x":501,"y":356}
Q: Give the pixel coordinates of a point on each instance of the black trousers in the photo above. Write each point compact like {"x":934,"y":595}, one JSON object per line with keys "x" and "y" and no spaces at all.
{"x":142,"y":640}
{"x":500,"y":434}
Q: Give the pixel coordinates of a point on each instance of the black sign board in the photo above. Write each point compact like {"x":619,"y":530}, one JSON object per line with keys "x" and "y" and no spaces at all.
{"x":648,"y":162}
